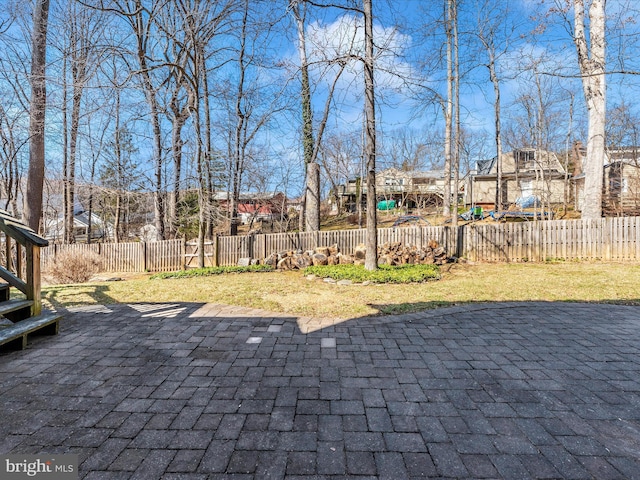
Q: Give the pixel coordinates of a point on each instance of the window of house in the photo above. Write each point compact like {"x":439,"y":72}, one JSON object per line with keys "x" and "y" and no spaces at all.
{"x":390,"y":181}
{"x":525,"y":159}
{"x":424,"y":181}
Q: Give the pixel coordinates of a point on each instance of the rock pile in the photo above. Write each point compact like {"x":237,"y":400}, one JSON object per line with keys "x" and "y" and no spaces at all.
{"x":390,"y":254}
{"x":397,"y":254}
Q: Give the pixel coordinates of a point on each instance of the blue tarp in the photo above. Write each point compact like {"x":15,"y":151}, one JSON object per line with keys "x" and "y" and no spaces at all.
{"x":528,"y":202}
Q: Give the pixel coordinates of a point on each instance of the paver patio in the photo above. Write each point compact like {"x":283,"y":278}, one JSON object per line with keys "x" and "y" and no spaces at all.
{"x":181,"y":391}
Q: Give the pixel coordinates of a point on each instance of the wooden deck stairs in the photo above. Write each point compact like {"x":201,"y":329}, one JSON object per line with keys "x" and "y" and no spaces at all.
{"x":20,"y":269}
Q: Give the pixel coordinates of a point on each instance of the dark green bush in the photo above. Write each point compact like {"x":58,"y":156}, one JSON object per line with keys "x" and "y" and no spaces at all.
{"x":204,"y":272}
{"x":384,"y":273}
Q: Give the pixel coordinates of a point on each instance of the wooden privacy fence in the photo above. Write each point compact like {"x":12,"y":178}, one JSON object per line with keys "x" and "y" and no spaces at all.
{"x":603,"y":239}
{"x":163,"y":256}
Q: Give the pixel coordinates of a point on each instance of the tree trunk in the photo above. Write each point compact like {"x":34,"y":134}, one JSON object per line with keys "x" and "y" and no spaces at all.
{"x":73,"y":142}
{"x":312,"y":183}
{"x":35,"y":175}
{"x":456,"y":99}
{"x":312,"y":203}
{"x":448,"y":115}
{"x":311,"y":145}
{"x":496,"y":108}
{"x":138,"y":23}
{"x":208,"y":148}
{"x":371,"y":258}
{"x":241,"y":125}
{"x":591,"y":59}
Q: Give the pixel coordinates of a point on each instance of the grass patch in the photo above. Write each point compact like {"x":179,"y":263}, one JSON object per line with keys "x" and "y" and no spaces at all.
{"x":291,"y":293}
{"x":205,"y":272}
{"x":384,"y":273}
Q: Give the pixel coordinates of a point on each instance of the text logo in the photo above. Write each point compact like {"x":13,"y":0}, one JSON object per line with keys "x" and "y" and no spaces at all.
{"x":44,"y":466}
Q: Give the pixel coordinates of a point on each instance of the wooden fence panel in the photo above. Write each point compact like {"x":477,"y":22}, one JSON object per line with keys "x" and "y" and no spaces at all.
{"x":605,"y":239}
{"x":192,"y":254}
{"x":165,"y":256}
{"x":122,"y":257}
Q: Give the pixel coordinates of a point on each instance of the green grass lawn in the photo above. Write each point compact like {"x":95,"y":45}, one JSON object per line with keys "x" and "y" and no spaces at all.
{"x":292,"y":293}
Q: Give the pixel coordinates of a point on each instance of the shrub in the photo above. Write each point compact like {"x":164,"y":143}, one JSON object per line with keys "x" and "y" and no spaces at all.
{"x":74,"y":267}
{"x":384,"y":273}
{"x":204,"y":272}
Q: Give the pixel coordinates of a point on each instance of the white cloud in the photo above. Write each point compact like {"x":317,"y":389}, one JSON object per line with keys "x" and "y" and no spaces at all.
{"x":344,"y":39}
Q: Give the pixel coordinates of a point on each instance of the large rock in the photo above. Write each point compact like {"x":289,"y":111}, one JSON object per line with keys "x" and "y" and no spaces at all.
{"x":287,"y":263}
{"x":272,"y":260}
{"x":319,"y":259}
{"x":345,"y":259}
{"x":360,"y":252}
{"x":303,"y":261}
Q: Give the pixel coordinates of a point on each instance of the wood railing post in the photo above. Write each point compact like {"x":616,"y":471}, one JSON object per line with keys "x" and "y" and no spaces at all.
{"x":33,"y":278}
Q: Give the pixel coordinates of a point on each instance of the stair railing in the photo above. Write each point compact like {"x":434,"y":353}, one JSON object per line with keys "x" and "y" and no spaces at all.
{"x":27,"y":277}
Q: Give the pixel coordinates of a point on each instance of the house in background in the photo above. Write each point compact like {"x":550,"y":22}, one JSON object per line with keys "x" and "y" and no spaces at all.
{"x":101,"y":231}
{"x":527,"y":174}
{"x":422,"y":190}
{"x":255,"y":206}
{"x":621,"y":183}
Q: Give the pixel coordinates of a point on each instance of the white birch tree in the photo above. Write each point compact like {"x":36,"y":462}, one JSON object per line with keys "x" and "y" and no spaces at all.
{"x":591,"y":60}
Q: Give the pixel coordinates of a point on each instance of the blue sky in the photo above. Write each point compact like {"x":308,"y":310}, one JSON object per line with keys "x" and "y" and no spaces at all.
{"x":412,"y":42}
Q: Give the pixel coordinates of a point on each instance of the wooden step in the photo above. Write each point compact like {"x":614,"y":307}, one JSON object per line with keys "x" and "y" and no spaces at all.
{"x":4,"y":292}
{"x":15,"y":336}
{"x":16,"y":310}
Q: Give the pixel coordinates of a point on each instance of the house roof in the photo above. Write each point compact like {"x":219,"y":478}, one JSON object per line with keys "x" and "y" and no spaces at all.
{"x":413,"y":173}
{"x":252,"y":209}
{"x":222,"y":195}
{"x":485,"y":166}
{"x":545,"y":160}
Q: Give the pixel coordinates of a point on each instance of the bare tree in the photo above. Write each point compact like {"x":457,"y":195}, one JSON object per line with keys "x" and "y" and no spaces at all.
{"x":35,"y":175}
{"x":371,"y":257}
{"x":448,"y":110}
{"x":310,"y":214}
{"x":591,"y":60}
{"x":494,"y":32}
{"x":340,"y":159}
{"x":251,"y":103}
{"x":83,"y":26}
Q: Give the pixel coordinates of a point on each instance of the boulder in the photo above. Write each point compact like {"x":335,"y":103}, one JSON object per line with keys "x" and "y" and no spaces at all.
{"x":272,"y":260}
{"x":345,"y":259}
{"x":360,"y":252}
{"x":286,"y":263}
{"x":319,"y":259}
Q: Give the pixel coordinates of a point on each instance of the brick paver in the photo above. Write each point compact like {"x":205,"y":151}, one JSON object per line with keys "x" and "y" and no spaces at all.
{"x":505,"y":390}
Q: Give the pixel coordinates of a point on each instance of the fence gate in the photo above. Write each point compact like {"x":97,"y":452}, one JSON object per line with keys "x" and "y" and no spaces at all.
{"x":191,"y":254}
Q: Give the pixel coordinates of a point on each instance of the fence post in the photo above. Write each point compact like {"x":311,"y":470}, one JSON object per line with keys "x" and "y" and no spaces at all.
{"x":145,"y":266}
{"x":216,"y":249}
{"x":264,"y":239}
{"x":183,"y":252}
{"x":459,"y":241}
